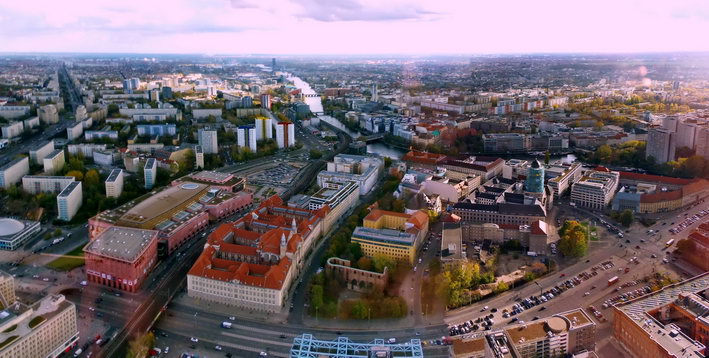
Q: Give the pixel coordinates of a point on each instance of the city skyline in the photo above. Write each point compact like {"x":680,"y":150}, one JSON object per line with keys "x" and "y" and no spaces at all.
{"x":355,"y":27}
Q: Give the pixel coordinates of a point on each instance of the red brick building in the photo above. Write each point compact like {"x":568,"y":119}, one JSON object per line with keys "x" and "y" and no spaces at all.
{"x":121,"y":257}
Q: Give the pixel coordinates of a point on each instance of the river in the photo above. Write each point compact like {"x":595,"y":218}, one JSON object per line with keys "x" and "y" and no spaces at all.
{"x":316,"y":107}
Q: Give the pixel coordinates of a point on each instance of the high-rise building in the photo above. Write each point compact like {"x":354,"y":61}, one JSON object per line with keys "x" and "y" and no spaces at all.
{"x":535,"y":178}
{"x":207,"y":139}
{"x":127,"y":86}
{"x":150,"y":172}
{"x":13,"y":129}
{"x":285,"y":134}
{"x":660,"y":145}
{"x":48,"y":114}
{"x":114,"y":183}
{"x":38,"y":153}
{"x":266,"y":101}
{"x":135,"y":83}
{"x":670,"y":123}
{"x":375,"y":96}
{"x":154,"y":95}
{"x":199,"y":157}
{"x":246,"y":137}
{"x":273,"y":64}
{"x":166,"y":92}
{"x":13,"y":171}
{"x":69,"y":201}
{"x":80,"y":113}
{"x":35,"y":184}
{"x":686,"y":133}
{"x":701,"y":143}
{"x":263,"y":128}
{"x":54,"y":161}
{"x":247,"y":102}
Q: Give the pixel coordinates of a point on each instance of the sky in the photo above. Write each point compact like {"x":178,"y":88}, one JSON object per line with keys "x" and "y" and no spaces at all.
{"x":354,"y":26}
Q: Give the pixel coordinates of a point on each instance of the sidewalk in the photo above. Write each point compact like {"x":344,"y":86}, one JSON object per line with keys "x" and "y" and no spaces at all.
{"x":228,"y":311}
{"x":353,"y":324}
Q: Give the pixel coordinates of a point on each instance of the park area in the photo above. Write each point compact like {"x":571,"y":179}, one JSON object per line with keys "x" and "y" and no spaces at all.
{"x":70,"y":261}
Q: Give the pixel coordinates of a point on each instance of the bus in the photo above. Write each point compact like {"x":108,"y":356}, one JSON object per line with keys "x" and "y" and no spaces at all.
{"x":669,"y":243}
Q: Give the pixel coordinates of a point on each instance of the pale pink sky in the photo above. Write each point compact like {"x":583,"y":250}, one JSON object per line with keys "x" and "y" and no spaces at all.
{"x":354,"y":26}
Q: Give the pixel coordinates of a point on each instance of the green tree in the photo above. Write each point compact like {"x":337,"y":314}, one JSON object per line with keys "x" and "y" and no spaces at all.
{"x":501,"y":287}
{"x":626,"y":217}
{"x":140,"y":346}
{"x":364,"y":263}
{"x":380,"y":261}
{"x":315,"y":154}
{"x":316,"y":296}
{"x":387,"y":162}
{"x":360,"y":310}
{"x":92,"y":178}
{"x":78,"y":175}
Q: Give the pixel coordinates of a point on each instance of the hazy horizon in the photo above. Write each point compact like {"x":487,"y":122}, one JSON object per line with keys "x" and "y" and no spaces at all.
{"x":354,"y":27}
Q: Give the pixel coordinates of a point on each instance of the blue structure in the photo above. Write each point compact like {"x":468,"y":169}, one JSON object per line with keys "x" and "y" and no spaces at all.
{"x":535,"y":178}
{"x":307,"y":346}
{"x":157,"y":129}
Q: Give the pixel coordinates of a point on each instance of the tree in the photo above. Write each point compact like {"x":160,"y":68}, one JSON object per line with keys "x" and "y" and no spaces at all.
{"x":92,"y":179}
{"x":315,"y":154}
{"x":502,"y":286}
{"x":387,"y":162}
{"x":626,"y":217}
{"x":360,"y":310}
{"x":380,"y":261}
{"x":547,"y":157}
{"x":355,"y":250}
{"x":316,"y":296}
{"x":140,"y":346}
{"x":364,"y":263}
{"x":76,"y":174}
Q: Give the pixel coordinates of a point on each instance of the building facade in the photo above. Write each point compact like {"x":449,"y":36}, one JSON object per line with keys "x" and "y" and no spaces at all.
{"x":114,"y":183}
{"x":208,"y":141}
{"x":54,"y":161}
{"x":596,"y":189}
{"x":35,"y":184}
{"x":246,"y":137}
{"x":69,"y":201}
{"x":150,"y":173}
{"x":13,"y":171}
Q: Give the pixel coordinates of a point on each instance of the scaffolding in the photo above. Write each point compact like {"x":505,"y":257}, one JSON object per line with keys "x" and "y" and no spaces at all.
{"x":307,"y":346}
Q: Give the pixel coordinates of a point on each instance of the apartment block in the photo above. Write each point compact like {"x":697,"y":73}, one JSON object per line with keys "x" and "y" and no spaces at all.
{"x":596,"y":189}
{"x":69,"y":201}
{"x":38,"y":153}
{"x":114,"y":183}
{"x":150,"y":173}
{"x":54,"y":161}
{"x":35,"y":184}
{"x":13,"y":171}
{"x":207,"y":139}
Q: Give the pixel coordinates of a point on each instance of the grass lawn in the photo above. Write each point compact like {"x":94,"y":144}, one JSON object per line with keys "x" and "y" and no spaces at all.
{"x":70,"y":261}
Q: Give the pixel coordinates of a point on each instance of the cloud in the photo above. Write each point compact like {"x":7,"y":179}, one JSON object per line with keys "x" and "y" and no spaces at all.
{"x":358,"y":10}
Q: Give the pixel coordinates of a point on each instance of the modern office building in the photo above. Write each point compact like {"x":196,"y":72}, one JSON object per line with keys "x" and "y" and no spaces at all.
{"x":565,"y":334}
{"x":535,"y":178}
{"x":38,"y":153}
{"x":285,"y":134}
{"x":364,"y":170}
{"x":54,"y":161}
{"x":114,"y":183}
{"x":246,"y":137}
{"x":13,"y":171}
{"x":338,"y":196}
{"x":150,"y":173}
{"x":263,"y":128}
{"x":505,"y":142}
{"x":396,"y":235}
{"x":121,"y":257}
{"x":48,"y":114}
{"x":35,"y":184}
{"x":69,"y":201}
{"x":307,"y":346}
{"x":47,"y":328}
{"x":252,"y":263}
{"x":668,"y":323}
{"x":596,"y":189}
{"x":562,"y":176}
{"x":660,"y":145}
{"x":198,"y":157}
{"x":207,"y":139}
{"x":15,"y":232}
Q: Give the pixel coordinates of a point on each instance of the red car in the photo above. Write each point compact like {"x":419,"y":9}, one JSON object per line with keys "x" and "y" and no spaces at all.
{"x":562,"y":275}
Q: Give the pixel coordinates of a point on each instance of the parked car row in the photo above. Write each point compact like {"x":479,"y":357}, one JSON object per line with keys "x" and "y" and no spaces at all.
{"x":688,"y":221}
{"x":626,"y":296}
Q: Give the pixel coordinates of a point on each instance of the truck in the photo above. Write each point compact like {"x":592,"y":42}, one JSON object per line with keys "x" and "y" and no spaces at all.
{"x":531,"y":253}
{"x":57,"y":240}
{"x":669,"y":243}
{"x":612,"y":280}
{"x":226,"y":325}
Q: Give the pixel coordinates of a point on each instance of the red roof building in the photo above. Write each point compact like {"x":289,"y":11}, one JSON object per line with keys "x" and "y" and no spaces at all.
{"x":251,"y":262}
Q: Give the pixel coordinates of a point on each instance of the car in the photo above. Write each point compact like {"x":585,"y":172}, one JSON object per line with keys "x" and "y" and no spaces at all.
{"x":193,"y":339}
{"x":587,"y":261}
{"x":535,"y":318}
{"x":218,"y":348}
{"x":653,"y":256}
{"x":627,"y":241}
{"x":562,"y":275}
{"x":542,"y":308}
{"x":263,"y":354}
{"x":586,"y":293}
{"x":493,"y":310}
{"x":418,"y":333}
{"x":637,"y":247}
{"x":484,"y":309}
{"x":232,"y":318}
{"x":642,"y":240}
{"x":338,"y":333}
{"x":282,"y":336}
{"x":513,"y":320}
{"x":167,"y":350}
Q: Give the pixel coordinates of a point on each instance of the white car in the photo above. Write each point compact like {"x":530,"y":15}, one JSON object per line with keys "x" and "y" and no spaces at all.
{"x":232,"y":318}
{"x":194,"y":339}
{"x":263,"y":354}
{"x":217,"y":348}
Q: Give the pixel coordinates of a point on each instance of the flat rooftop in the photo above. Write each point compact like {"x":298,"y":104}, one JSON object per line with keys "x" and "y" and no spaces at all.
{"x":161,"y":202}
{"x":114,"y":175}
{"x":536,"y":330}
{"x":17,"y":315}
{"x":69,"y":189}
{"x":121,"y":243}
{"x":212,"y":177}
{"x":384,"y":235}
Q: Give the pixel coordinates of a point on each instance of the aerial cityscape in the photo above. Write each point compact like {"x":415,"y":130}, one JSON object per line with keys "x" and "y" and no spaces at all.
{"x":354,"y":179}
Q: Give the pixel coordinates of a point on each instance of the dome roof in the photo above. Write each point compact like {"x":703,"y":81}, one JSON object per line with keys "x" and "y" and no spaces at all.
{"x":9,"y":227}
{"x":536,"y":164}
